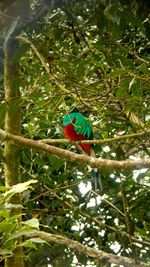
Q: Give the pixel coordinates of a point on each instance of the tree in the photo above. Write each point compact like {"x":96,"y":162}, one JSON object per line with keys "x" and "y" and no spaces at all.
{"x":93,"y":55}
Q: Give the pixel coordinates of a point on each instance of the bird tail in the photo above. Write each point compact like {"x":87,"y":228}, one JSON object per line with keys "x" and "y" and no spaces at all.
{"x":96,"y":174}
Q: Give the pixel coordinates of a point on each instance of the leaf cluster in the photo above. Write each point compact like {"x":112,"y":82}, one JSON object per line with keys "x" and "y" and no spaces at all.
{"x":97,"y":57}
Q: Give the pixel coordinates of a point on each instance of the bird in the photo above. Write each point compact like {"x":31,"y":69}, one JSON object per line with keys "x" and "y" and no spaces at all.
{"x":77,"y":128}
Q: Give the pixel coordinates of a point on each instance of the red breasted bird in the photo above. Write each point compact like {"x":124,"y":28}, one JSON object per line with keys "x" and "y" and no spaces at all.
{"x":77,"y":128}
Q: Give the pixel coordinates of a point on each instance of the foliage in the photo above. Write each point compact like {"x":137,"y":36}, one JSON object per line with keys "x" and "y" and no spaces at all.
{"x":99,"y":61}
{"x":11,"y":225}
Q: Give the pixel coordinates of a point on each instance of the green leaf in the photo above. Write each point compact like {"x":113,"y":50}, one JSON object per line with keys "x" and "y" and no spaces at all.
{"x":22,"y":232}
{"x":33,"y":223}
{"x":116,"y":73}
{"x":7,"y":227}
{"x":5,"y":252}
{"x":30,"y":242}
{"x":19,"y":188}
{"x":144,"y":69}
{"x":4,"y":188}
{"x":10,"y":206}
{"x":4,"y":213}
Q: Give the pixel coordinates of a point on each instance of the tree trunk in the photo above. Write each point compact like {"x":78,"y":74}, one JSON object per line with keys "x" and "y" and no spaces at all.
{"x":11,"y":151}
{"x":16,"y":9}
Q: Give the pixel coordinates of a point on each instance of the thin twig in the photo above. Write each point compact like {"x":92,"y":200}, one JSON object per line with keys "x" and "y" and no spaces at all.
{"x":146,"y":132}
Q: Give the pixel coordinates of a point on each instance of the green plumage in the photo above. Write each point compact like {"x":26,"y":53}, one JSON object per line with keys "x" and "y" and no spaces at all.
{"x":81,"y":125}
{"x":76,"y":127}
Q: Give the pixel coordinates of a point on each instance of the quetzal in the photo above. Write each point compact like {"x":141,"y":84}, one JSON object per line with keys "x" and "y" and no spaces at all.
{"x":77,"y":128}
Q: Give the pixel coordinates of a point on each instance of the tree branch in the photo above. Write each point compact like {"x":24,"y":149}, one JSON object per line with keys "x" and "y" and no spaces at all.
{"x":45,"y":64}
{"x":78,"y":158}
{"x":98,"y":222}
{"x":145,"y":133}
{"x":88,"y":251}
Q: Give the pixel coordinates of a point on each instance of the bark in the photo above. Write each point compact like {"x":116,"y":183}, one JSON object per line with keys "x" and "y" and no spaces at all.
{"x":78,"y":158}
{"x":99,"y":255}
{"x":13,"y":116}
{"x":11,"y":152}
{"x":12,"y":125}
{"x":15,"y":18}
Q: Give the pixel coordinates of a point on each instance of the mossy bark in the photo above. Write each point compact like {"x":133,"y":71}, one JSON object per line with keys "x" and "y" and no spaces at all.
{"x":12,"y":125}
{"x":17,"y":9}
